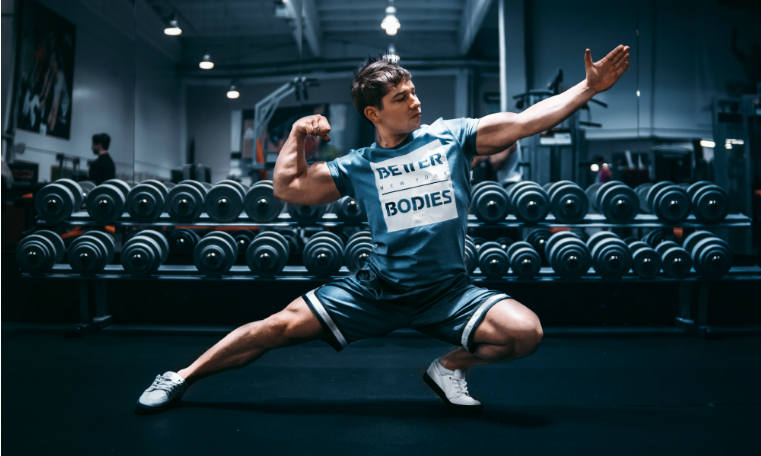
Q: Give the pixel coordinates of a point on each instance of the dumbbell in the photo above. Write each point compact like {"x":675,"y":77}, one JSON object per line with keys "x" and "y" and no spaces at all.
{"x":711,"y":255}
{"x":348,"y":210}
{"x":243,"y":238}
{"x":358,"y":250}
{"x":106,"y":202}
{"x":260,"y":203}
{"x":91,"y":252}
{"x":654,"y":238}
{"x":668,"y":201}
{"x":38,"y":252}
{"x":323,"y":254}
{"x":224,"y":201}
{"x":611,"y":257}
{"x":183,"y":241}
{"x":568,"y":255}
{"x":185,"y":201}
{"x":56,"y":202}
{"x":306,"y":215}
{"x":86,"y":187}
{"x":525,"y":261}
{"x":504,"y":242}
{"x":215,"y":254}
{"x":710,"y":203}
{"x":615,"y":200}
{"x":146,"y":201}
{"x":489,"y":202}
{"x":268,"y":253}
{"x":528,"y":201}
{"x":470,"y":258}
{"x":492,"y":260}
{"x":143,"y":253}
{"x":538,"y":238}
{"x":675,"y":261}
{"x":568,"y":202}
{"x":646,"y":261}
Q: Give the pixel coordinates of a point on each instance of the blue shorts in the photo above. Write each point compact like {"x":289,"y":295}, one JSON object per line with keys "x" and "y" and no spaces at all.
{"x":363,"y":306}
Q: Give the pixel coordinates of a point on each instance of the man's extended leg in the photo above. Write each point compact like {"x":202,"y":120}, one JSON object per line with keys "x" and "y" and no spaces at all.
{"x":509,"y":331}
{"x":293,"y":325}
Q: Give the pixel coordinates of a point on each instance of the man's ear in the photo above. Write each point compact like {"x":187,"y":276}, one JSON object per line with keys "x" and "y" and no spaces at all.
{"x":371,"y":112}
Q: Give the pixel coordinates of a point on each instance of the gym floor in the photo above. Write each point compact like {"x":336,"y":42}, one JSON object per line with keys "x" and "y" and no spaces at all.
{"x":594,"y":395}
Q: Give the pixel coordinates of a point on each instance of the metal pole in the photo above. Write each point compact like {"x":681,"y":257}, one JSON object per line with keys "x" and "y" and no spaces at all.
{"x":502,"y":59}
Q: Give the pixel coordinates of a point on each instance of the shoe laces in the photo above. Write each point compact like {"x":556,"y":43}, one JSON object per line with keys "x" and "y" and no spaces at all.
{"x":163,"y":384}
{"x":461,"y":386}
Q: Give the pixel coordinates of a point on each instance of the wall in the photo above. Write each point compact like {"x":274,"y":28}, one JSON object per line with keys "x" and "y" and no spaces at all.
{"x":123,"y":87}
{"x":208,"y":110}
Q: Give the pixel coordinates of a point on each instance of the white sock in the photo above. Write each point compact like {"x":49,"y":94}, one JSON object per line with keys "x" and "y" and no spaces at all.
{"x":444,"y":368}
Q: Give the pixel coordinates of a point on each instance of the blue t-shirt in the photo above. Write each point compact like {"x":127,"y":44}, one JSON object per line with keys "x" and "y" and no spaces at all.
{"x":416,"y":196}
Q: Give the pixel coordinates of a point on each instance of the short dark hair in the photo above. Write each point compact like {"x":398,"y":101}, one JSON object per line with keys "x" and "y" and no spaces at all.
{"x":103,"y":139}
{"x":373,"y":80}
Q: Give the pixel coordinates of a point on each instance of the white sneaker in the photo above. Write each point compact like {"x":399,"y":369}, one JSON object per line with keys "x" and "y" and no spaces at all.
{"x":451,"y":388}
{"x":165,"y":392}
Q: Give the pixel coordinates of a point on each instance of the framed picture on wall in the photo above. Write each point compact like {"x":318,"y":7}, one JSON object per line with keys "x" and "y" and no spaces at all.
{"x":46,"y":71}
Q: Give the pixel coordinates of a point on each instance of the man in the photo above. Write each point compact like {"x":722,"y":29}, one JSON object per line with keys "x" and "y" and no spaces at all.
{"x":414,"y":184}
{"x":103,"y":168}
{"x":502,"y":167}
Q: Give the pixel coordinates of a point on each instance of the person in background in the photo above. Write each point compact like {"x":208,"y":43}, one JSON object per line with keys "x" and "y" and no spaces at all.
{"x":103,"y":168}
{"x":604,"y":174}
{"x":501,"y":167}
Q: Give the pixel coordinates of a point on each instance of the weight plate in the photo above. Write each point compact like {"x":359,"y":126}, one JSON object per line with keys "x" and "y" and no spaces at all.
{"x":675,"y":261}
{"x":182,"y":241}
{"x":570,"y":257}
{"x":263,"y":182}
{"x":87,"y":254}
{"x":261,"y":205}
{"x":664,"y":246}
{"x":714,"y":258}
{"x":105,"y":203}
{"x":568,"y":202}
{"x":267,"y":254}
{"x":504,"y":242}
{"x":60,"y":247}
{"x":530,"y":204}
{"x":159,"y":186}
{"x":671,"y":204}
{"x":36,"y":254}
{"x":108,"y":242}
{"x":641,"y":191}
{"x":201,"y":187}
{"x":306,"y":215}
{"x":693,"y":189}
{"x":141,"y":255}
{"x":243,"y":238}
{"x":120,"y":184}
{"x":360,"y":234}
{"x":550,"y":188}
{"x":692,"y":239}
{"x":160,"y":241}
{"x":611,"y":258}
{"x":599,"y":236}
{"x":215,"y":254}
{"x":710,"y":204}
{"x":241,"y":188}
{"x":54,"y":203}
{"x":224,"y":203}
{"x":492,"y":260}
{"x":646,"y":262}
{"x":358,"y":251}
{"x":538,"y":238}
{"x":145,"y":203}
{"x":549,"y":246}
{"x":75,"y":189}
{"x":591,"y":192}
{"x":348,"y":210}
{"x":185,"y":202}
{"x":323,"y":254}
{"x":653,"y":192}
{"x":618,"y":203}
{"x":490,"y":203}
{"x":525,"y":262}
{"x":515,"y":187}
{"x":328,"y":234}
{"x":633,"y":246}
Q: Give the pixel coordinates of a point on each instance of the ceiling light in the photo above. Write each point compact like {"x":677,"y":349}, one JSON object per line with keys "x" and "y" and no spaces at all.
{"x":174,"y":27}
{"x":707,"y":143}
{"x":390,"y":23}
{"x":206,"y":63}
{"x":233,"y":93}
{"x":595,"y":167}
{"x":391,"y":54}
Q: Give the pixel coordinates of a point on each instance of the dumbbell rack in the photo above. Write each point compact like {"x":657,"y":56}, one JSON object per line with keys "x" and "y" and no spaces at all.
{"x":93,"y":289}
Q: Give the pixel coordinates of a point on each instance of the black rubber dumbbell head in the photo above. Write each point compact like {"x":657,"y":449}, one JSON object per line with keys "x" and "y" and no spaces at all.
{"x":617,"y":202}
{"x":186,"y":201}
{"x":215,"y":254}
{"x":183,"y":241}
{"x":568,"y":202}
{"x":710,"y":203}
{"x":267,"y":254}
{"x":492,"y":260}
{"x":306,"y":215}
{"x":525,"y":262}
{"x":490,"y":203}
{"x":669,"y":202}
{"x":145,"y":203}
{"x":529,"y":202}
{"x":349,"y":211}
{"x":54,"y":203}
{"x":141,"y":255}
{"x":243,"y":238}
{"x":161,"y":241}
{"x":260,"y":203}
{"x":646,"y":262}
{"x":323,"y":254}
{"x":358,"y":251}
{"x":567,"y":254}
{"x":91,"y":252}
{"x":106,"y":202}
{"x":224,"y":202}
{"x":38,"y":252}
{"x":675,"y":261}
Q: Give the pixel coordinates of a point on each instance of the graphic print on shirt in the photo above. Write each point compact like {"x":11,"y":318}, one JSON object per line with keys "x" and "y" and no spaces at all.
{"x":416,"y":189}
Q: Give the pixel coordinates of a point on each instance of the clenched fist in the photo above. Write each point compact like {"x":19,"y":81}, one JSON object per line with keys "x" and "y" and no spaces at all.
{"x":315,"y":125}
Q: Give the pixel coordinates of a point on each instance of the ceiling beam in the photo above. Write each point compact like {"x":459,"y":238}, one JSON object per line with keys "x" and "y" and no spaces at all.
{"x":295,"y":12}
{"x":472,"y":17}
{"x":381,"y":5}
{"x":452,"y":27}
{"x":312,"y":28}
{"x":446,"y":15}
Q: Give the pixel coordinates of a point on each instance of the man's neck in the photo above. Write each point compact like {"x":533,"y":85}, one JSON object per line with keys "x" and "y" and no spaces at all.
{"x":102,"y":152}
{"x":388,"y":141}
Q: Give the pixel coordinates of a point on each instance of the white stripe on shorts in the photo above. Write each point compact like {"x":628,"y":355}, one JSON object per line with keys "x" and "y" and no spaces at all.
{"x":477,"y":315}
{"x":326,"y":318}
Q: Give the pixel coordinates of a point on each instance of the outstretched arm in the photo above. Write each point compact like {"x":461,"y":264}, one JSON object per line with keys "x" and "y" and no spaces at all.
{"x":497,"y":132}
{"x":293,"y":181}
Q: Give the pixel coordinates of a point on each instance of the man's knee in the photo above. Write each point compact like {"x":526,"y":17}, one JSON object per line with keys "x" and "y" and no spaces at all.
{"x":515,"y":327}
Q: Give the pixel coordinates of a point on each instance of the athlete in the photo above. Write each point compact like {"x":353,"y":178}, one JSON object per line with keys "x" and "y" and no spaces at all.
{"x":414,"y":184}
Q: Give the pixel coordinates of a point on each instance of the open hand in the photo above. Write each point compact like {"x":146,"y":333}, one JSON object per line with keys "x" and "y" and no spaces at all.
{"x":315,"y":125}
{"x":601,"y":75}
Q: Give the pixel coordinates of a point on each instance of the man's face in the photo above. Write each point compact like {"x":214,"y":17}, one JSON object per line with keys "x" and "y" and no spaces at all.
{"x":96,"y":148}
{"x":401,"y":109}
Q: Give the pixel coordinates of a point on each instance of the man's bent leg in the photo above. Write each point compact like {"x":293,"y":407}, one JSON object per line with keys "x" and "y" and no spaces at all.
{"x":293,"y":325}
{"x":509,"y":331}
